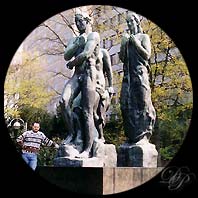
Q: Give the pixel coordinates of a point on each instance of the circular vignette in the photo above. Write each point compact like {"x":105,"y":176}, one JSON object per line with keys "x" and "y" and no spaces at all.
{"x":169,"y":74}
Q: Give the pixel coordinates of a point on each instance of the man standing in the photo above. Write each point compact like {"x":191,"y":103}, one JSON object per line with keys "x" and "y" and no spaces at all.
{"x":30,"y":142}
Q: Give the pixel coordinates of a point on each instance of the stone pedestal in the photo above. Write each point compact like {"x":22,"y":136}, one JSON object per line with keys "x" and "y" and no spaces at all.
{"x":137,"y":155}
{"x":99,"y":181}
{"x":102,"y":155}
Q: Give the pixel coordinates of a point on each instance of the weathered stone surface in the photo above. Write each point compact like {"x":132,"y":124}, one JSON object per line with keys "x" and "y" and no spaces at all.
{"x":104,"y":155}
{"x":106,"y":152}
{"x":78,"y":162}
{"x":67,"y":151}
{"x":110,"y":158}
{"x":137,"y":155}
{"x":98,"y":181}
{"x":120,"y":179}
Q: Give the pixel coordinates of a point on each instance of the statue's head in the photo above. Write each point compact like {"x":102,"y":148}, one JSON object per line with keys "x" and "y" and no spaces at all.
{"x":82,"y":15}
{"x":134,"y":15}
{"x":133,"y":22}
{"x":82,"y":20}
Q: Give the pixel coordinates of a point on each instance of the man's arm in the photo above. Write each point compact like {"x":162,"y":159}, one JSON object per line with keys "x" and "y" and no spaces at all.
{"x":47,"y":142}
{"x":55,"y":145}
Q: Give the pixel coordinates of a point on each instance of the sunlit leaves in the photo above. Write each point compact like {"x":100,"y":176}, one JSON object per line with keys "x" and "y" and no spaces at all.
{"x":26,"y":84}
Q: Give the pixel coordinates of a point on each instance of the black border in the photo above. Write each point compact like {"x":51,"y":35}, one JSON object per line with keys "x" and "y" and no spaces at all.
{"x":20,"y":18}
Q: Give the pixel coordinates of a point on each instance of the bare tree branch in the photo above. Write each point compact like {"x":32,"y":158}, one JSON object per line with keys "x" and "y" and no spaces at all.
{"x":59,"y":73}
{"x":57,"y":22}
{"x":47,"y":54}
{"x":67,"y":23}
{"x":57,"y":92}
{"x":55,"y":40}
{"x":45,"y":25}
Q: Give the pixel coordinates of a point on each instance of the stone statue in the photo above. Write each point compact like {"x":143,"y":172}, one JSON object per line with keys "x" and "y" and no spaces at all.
{"x":137,"y":109}
{"x":95,"y":99}
{"x":73,"y":86}
{"x":136,"y":105}
{"x":85,"y":98}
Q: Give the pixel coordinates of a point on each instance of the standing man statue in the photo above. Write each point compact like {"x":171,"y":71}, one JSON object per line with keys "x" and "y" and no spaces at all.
{"x":136,"y":105}
{"x":85,"y":98}
{"x":95,"y":99}
{"x":73,"y":86}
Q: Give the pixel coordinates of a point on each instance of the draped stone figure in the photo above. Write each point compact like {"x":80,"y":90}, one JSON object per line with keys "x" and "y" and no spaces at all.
{"x":136,"y":105}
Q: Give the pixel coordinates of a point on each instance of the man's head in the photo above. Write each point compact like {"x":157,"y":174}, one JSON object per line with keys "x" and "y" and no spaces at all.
{"x":82,"y":21}
{"x":35,"y":127}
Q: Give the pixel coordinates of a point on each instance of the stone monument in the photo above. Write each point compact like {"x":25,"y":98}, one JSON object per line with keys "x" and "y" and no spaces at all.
{"x":85,"y":100}
{"x":137,"y":109}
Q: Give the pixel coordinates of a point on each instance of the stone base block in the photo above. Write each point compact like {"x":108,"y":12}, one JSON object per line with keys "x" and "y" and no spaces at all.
{"x":78,"y":162}
{"x":104,"y":155}
{"x":137,"y":155}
